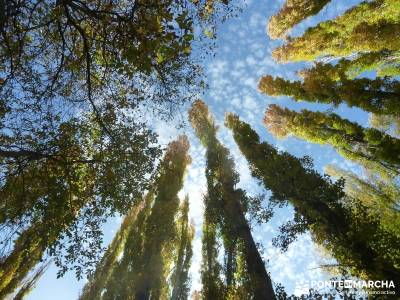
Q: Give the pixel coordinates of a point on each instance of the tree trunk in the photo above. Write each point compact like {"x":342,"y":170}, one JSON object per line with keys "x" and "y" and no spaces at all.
{"x":260,"y":280}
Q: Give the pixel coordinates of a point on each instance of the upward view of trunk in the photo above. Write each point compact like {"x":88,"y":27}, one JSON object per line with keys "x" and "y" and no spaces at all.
{"x":212,"y":286}
{"x":146,"y":240}
{"x":180,"y":277}
{"x":258,"y":275}
{"x":221,"y":179}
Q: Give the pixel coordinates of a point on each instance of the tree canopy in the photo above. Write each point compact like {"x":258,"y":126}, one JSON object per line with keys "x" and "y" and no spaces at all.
{"x":75,"y":77}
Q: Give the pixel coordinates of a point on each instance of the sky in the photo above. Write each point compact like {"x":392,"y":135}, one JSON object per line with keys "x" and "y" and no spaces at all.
{"x":242,"y":56}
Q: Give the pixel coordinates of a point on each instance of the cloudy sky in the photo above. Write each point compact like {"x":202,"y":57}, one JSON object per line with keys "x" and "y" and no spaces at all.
{"x":243,"y":55}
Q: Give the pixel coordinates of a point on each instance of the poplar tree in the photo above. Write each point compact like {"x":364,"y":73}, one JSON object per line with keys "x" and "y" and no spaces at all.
{"x":378,"y":95}
{"x":385,"y":63}
{"x":151,"y":241}
{"x":30,"y":282}
{"x":227,"y":201}
{"x":369,"y":26}
{"x":180,"y":278}
{"x":211,"y":269}
{"x":381,"y":198}
{"x":292,"y":13}
{"x":367,"y":146}
{"x":355,"y":239}
{"x":97,"y":282}
{"x":160,"y":226}
{"x":123,"y":285}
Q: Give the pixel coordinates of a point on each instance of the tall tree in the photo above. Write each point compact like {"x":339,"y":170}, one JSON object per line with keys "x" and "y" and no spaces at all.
{"x":132,"y":249}
{"x":97,"y":282}
{"x":161,"y":220}
{"x":151,"y":240}
{"x":382,"y":198}
{"x":292,"y":13}
{"x":30,"y":282}
{"x":227,"y":201}
{"x":385,"y":63}
{"x":180,"y":277}
{"x":212,"y":284}
{"x":369,"y":26}
{"x":378,"y":95}
{"x":367,"y":146}
{"x":355,"y":239}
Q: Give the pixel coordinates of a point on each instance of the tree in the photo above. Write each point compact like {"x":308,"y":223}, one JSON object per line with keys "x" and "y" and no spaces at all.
{"x":369,"y":26}
{"x":160,"y":229}
{"x":133,"y":248}
{"x":212,"y":285}
{"x":151,"y":240}
{"x":367,"y":146}
{"x":97,"y":282}
{"x":226,"y":201}
{"x":292,"y":13}
{"x":355,"y":239}
{"x":180,"y":277}
{"x":30,"y":282}
{"x":385,"y":63}
{"x":388,"y":124}
{"x":381,"y":198}
{"x":75,"y":78}
{"x":115,"y":42}
{"x":60,"y":195}
{"x":378,"y":95}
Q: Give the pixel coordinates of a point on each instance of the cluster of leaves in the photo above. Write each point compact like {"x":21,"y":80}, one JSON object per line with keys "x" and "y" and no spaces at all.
{"x":388,"y":124}
{"x":381,"y":197}
{"x":386,"y":64}
{"x":292,"y":13}
{"x":370,"y":26}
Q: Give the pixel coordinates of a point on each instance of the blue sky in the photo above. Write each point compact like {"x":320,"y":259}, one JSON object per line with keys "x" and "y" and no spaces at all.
{"x":243,"y":55}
